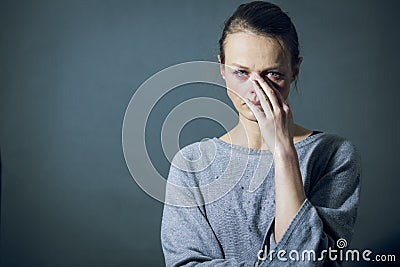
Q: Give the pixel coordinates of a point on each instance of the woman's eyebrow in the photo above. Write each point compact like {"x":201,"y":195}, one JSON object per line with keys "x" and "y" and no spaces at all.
{"x":246,"y":68}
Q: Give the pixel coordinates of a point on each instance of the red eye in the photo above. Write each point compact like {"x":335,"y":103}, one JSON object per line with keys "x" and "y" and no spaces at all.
{"x":240,"y":73}
{"x":275,"y":75}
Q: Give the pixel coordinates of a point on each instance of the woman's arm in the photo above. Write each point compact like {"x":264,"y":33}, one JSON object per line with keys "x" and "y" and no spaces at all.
{"x":316,"y":221}
{"x":289,"y":189}
{"x":187,"y":238}
{"x":276,"y":126}
{"x":327,"y":214}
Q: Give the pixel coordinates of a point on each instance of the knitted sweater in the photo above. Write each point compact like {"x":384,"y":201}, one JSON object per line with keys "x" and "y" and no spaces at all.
{"x":227,"y":216}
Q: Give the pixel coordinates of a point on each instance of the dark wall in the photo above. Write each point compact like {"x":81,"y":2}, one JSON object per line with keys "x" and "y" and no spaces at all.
{"x":69,"y":68}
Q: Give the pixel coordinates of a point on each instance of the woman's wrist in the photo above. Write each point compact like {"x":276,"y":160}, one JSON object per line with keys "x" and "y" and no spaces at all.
{"x":285,"y":151}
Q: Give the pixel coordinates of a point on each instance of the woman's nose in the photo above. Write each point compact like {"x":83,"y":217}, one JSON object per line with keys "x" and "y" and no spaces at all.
{"x":252,"y":90}
{"x":252,"y":76}
{"x":250,"y":80}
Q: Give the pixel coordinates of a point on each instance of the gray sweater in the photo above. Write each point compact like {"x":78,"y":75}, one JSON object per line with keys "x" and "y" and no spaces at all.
{"x":229,"y":221}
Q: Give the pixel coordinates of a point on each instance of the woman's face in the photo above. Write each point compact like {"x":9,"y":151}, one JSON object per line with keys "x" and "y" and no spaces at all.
{"x":246,"y":54}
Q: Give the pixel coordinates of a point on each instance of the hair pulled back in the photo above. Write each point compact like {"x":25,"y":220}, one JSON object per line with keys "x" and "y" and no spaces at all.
{"x":265,"y":19}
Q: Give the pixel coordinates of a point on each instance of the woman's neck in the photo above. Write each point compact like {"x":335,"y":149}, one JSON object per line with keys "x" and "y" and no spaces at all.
{"x":247,"y":133}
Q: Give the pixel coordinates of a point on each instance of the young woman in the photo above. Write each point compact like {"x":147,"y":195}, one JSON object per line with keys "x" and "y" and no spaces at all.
{"x":306,"y":201}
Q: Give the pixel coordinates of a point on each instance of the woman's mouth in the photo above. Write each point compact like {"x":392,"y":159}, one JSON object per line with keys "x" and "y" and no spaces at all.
{"x":255,"y":102}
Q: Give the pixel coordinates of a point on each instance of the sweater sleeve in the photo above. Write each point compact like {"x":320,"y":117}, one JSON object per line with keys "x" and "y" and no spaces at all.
{"x":327,"y":215}
{"x":187,"y":239}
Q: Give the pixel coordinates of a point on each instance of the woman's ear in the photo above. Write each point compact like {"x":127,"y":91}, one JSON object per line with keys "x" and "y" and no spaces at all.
{"x":296,"y":69}
{"x":221,"y":67}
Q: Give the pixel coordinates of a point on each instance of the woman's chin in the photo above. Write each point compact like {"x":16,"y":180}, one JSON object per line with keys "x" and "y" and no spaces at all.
{"x":249,"y":116}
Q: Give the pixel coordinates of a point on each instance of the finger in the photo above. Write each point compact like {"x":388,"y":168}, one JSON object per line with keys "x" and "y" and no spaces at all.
{"x":265,"y":103}
{"x":282,"y":101}
{"x":257,"y":113}
{"x":270,"y":92}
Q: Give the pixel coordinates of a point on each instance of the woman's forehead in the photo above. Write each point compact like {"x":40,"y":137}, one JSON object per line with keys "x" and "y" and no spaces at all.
{"x":254,"y":51}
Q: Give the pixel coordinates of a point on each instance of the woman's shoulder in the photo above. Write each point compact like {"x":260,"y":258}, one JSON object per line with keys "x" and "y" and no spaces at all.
{"x":334,"y":140}
{"x":192,"y":150}
{"x":332,"y":156}
{"x":332,"y":147}
{"x":322,"y":139}
{"x":197,"y":154}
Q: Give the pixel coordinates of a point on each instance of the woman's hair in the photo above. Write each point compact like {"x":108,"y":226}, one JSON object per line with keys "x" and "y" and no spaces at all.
{"x":266,"y":19}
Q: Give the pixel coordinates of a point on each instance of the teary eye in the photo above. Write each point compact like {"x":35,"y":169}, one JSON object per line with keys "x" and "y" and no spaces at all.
{"x":240,"y":73}
{"x":275,"y":75}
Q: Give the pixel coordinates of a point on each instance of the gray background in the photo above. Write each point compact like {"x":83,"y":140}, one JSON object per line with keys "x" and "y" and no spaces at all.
{"x":69,"y":68}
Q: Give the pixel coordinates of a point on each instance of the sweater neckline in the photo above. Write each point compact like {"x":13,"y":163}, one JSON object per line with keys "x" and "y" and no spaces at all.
{"x":254,"y":151}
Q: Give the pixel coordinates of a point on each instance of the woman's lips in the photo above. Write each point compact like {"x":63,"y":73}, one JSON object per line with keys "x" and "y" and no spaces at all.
{"x":256,"y":103}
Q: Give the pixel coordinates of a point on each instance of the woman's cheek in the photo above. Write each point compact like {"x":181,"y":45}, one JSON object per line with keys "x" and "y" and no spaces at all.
{"x":238,"y":88}
{"x":234,"y":98}
{"x":284,"y":89}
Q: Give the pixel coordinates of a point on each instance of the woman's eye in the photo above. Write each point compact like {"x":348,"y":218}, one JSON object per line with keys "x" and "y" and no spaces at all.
{"x":240,"y":73}
{"x":275,"y":75}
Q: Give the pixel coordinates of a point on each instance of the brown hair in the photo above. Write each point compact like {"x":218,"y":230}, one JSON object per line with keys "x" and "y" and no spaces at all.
{"x":266,"y":19}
